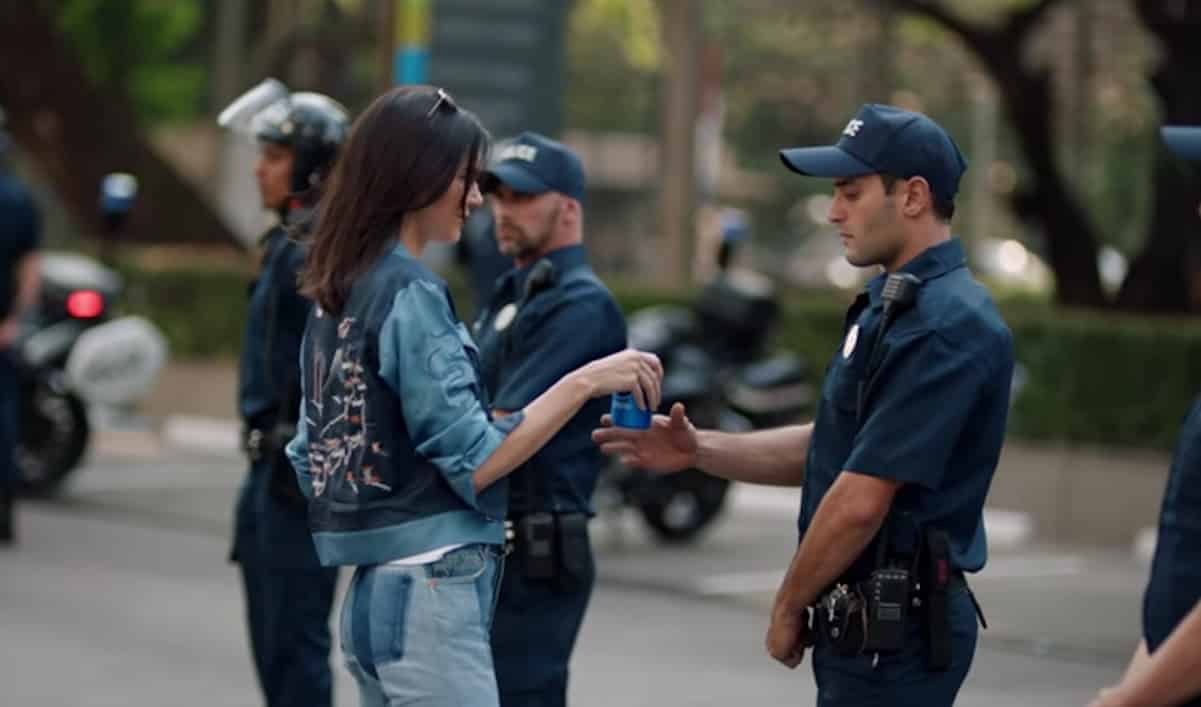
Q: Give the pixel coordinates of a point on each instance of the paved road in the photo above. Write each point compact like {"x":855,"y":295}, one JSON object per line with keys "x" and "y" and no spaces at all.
{"x":101,"y":611}
{"x":119,"y":595}
{"x":1039,"y":599}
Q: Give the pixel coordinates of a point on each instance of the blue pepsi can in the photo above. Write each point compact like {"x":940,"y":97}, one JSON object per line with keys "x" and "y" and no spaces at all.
{"x":625,"y":412}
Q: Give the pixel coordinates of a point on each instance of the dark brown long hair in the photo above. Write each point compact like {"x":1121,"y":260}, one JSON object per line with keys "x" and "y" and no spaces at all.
{"x":402,"y":155}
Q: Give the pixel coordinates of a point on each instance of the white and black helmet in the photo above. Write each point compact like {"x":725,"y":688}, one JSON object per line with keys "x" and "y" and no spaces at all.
{"x":313,"y":125}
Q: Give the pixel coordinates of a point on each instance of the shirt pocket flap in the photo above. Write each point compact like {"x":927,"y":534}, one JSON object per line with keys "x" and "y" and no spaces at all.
{"x":841,"y":387}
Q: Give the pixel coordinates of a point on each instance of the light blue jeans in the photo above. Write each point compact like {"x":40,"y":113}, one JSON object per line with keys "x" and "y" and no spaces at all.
{"x":419,"y":635}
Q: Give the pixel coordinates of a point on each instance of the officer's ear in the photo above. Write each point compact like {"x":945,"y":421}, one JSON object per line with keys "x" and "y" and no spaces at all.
{"x":915,"y":196}
{"x":570,"y":212}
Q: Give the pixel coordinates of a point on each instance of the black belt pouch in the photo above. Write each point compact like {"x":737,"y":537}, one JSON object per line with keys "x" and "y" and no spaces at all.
{"x":574,"y":553}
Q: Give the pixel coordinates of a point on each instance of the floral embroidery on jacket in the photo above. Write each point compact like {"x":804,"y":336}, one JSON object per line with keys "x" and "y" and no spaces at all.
{"x":337,"y":450}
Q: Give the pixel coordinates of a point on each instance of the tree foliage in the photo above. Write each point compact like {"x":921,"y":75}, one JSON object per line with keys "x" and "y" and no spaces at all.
{"x":1073,"y":163}
{"x":613,"y":61}
{"x":76,"y":131}
{"x":147,"y":50}
{"x":1076,"y":159}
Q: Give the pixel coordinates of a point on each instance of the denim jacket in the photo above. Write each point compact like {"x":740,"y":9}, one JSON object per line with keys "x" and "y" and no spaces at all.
{"x":394,"y":422}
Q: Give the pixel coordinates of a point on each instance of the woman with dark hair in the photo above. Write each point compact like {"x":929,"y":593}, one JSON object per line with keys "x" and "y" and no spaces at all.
{"x":396,"y":447}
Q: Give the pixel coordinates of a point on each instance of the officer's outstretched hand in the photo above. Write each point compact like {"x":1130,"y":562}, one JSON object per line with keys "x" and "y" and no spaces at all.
{"x":668,"y":445}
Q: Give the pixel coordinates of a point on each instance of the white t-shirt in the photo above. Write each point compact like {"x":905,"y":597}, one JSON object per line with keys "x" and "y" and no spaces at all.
{"x":426,"y":557}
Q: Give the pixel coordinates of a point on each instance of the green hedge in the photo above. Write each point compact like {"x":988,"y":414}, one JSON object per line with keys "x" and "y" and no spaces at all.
{"x":1089,"y":377}
{"x":1085,"y":377}
{"x":1107,"y":379}
{"x":202,"y":312}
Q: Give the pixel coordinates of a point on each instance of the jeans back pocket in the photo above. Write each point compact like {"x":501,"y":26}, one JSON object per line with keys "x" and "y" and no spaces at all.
{"x":378,"y":614}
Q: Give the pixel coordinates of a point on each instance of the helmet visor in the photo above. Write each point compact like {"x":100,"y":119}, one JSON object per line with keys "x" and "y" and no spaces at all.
{"x":261,"y":108}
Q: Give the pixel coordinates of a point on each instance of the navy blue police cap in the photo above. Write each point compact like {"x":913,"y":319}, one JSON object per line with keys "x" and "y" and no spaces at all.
{"x":534,"y":164}
{"x":1184,"y":141}
{"x":884,"y":139}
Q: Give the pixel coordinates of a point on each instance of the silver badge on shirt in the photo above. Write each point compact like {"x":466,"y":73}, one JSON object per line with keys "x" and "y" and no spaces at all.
{"x":848,"y":346}
{"x":505,"y":316}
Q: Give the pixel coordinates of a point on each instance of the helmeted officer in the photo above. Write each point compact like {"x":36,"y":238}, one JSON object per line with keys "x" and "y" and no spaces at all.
{"x":898,"y":461}
{"x":288,"y":593}
{"x":549,"y":315}
{"x":1162,"y":671}
{"x":20,"y":235}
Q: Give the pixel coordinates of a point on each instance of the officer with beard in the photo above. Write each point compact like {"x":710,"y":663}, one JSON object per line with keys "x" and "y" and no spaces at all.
{"x":546,"y":317}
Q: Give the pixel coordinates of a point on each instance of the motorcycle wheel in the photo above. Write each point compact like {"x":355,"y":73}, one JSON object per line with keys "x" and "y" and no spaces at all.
{"x":53,"y":437}
{"x":684,"y":505}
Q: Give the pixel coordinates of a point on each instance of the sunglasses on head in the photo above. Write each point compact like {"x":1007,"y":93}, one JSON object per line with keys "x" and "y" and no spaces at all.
{"x":443,"y":99}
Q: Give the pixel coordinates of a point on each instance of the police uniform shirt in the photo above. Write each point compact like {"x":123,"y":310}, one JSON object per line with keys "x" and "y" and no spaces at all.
{"x":266,"y":532}
{"x":1175,"y":584}
{"x":935,"y":415}
{"x":525,"y":351}
{"x":20,"y":225}
{"x":275,"y":321}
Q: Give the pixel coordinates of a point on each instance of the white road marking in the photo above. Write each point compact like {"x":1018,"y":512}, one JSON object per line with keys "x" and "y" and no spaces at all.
{"x":739,"y":583}
{"x":204,"y":434}
{"x":1034,"y":567}
{"x":1006,"y":529}
{"x":1020,"y":567}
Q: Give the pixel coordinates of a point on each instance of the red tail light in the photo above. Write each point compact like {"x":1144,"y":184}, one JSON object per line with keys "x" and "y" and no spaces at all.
{"x":85,"y":304}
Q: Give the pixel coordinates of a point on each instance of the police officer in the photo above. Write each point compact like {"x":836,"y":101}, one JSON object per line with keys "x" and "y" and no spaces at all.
{"x":20,"y":234}
{"x":897,"y":463}
{"x":546,"y":317}
{"x":1164,"y":670}
{"x":288,"y":593}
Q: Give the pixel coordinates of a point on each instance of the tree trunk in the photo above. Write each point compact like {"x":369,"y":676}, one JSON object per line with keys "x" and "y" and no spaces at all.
{"x":76,"y":134}
{"x":1027,"y":98}
{"x":1066,"y":231}
{"x":1162,"y":276}
{"x":677,"y":197}
{"x":229,"y":52}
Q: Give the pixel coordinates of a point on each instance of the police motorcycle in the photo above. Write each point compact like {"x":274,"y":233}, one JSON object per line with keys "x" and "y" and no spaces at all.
{"x":715,"y":361}
{"x":74,"y":355}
